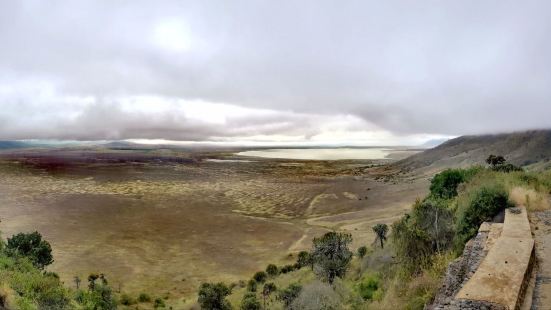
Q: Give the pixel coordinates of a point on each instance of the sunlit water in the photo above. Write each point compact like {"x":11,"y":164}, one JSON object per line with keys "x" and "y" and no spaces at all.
{"x":322,"y":154}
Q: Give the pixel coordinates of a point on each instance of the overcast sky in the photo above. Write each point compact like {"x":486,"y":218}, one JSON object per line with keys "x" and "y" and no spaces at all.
{"x":348,"y":72}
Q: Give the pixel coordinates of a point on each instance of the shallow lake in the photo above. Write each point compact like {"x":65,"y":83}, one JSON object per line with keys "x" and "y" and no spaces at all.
{"x":322,"y":153}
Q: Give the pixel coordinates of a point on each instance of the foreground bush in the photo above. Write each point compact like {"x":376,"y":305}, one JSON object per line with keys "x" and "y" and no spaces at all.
{"x":482,"y":204}
{"x":444,"y":185}
{"x":426,"y":230}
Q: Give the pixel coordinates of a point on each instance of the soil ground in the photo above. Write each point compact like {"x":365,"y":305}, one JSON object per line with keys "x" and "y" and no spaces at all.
{"x":166,"y":227}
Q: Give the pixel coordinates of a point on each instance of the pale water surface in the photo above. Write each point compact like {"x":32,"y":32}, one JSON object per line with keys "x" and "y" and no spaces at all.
{"x":322,"y":153}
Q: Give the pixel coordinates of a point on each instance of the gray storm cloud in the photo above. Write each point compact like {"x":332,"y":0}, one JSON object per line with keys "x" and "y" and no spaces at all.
{"x":407,"y":67}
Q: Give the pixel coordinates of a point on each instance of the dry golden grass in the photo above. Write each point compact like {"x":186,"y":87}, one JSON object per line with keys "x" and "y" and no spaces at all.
{"x":531,"y":199}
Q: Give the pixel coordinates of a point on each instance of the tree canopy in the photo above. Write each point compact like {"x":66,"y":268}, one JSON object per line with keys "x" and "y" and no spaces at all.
{"x":331,"y":255}
{"x":31,"y":245}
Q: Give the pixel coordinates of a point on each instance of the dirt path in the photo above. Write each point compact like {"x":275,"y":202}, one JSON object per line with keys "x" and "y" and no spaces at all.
{"x":541,"y":223}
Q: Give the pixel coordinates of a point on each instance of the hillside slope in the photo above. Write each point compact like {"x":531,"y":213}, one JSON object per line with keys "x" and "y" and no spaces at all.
{"x":520,"y":148}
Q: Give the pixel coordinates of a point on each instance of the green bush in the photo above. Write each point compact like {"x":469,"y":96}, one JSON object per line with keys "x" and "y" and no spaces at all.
{"x":31,"y":245}
{"x":126,"y":300}
{"x":483,"y":204}
{"x":289,"y":294}
{"x":251,"y":285}
{"x":158,"y":303}
{"x":444,"y":184}
{"x":260,"y":276}
{"x":213,"y":296}
{"x":303,"y":259}
{"x":143,"y":297}
{"x":97,"y":297}
{"x":287,"y":269}
{"x":413,"y":245}
{"x":272,"y":270}
{"x":47,"y":292}
{"x":250,"y":302}
{"x":507,"y":168}
{"x":367,"y":287}
{"x":362,"y":251}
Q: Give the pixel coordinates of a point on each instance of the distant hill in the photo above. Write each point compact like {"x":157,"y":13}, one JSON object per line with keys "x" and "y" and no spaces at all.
{"x":6,"y":145}
{"x":520,"y":148}
{"x":433,"y":143}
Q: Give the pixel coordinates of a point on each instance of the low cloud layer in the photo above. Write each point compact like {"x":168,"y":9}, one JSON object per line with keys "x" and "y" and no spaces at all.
{"x":397,"y":71}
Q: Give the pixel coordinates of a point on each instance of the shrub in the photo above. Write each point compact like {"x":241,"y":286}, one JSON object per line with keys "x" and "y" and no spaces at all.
{"x":287,"y":269}
{"x":317,"y":296}
{"x":250,"y":302}
{"x":32,"y":246}
{"x":332,"y":255}
{"x":444,"y":185}
{"x":272,"y":270}
{"x":97,"y":297}
{"x":213,"y":296}
{"x":367,"y":287}
{"x":304,"y":259}
{"x":158,"y":303}
{"x":507,"y":168}
{"x":289,"y":294}
{"x":267,"y":290}
{"x":143,"y":297}
{"x":413,"y":245}
{"x":426,"y":230}
{"x":482,"y":205}
{"x":251,"y":285}
{"x":126,"y":300}
{"x":260,"y":277}
{"x":362,"y":251}
{"x":46,"y":292}
{"x":433,"y":217}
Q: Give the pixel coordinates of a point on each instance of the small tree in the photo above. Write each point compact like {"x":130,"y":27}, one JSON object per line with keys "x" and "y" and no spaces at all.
{"x":272,"y":270}
{"x":268,"y":289}
{"x":92,"y":280}
{"x":31,"y":245}
{"x":362,"y":251}
{"x":332,"y":255}
{"x":494,"y":160}
{"x":77,"y":281}
{"x":213,"y":296}
{"x":380,"y":232}
{"x":260,"y":277}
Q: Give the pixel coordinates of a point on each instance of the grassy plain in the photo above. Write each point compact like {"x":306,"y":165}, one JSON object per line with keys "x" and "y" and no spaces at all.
{"x":163,"y":226}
